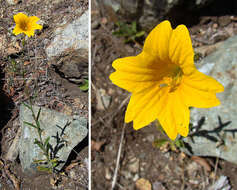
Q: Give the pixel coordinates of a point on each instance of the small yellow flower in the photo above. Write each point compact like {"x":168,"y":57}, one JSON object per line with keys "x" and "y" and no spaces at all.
{"x":25,"y":24}
{"x":164,"y":81}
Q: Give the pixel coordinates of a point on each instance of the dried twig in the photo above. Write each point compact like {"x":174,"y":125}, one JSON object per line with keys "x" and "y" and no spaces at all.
{"x":118,"y":158}
{"x":215,"y":170}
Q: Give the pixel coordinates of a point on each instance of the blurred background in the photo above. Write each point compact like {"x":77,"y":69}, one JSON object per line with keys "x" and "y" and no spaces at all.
{"x":207,"y":158}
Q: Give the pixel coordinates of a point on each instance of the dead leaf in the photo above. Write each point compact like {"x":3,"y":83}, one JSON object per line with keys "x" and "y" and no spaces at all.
{"x":143,"y":184}
{"x":96,"y":145}
{"x":72,"y":165}
{"x":13,"y":48}
{"x":202,"y":162}
{"x":26,"y":63}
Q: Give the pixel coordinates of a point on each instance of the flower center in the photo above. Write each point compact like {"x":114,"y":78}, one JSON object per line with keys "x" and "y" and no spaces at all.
{"x":24,"y":25}
{"x":172,"y":80}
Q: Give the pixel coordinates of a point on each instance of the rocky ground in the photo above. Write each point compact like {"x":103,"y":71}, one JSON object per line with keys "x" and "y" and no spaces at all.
{"x":143,"y":165}
{"x":52,"y":74}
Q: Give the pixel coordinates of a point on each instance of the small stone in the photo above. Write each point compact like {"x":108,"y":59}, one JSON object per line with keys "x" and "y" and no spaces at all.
{"x":13,"y":2}
{"x":215,"y":26}
{"x":67,"y":110}
{"x":103,"y":100}
{"x":136,"y":177}
{"x":143,"y":184}
{"x":192,"y":168}
{"x":133,"y":165}
{"x":72,"y":174}
{"x":194,"y":182}
{"x":95,"y":25}
{"x":158,"y":186}
{"x":150,"y":138}
{"x":126,"y":174}
{"x":108,"y":174}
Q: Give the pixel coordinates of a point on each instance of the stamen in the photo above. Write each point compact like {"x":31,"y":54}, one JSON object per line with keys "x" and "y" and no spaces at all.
{"x":172,"y":81}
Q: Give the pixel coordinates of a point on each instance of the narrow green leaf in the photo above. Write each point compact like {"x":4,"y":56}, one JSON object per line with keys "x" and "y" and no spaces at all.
{"x":84,"y":86}
{"x":46,"y":142}
{"x":39,"y":161}
{"x":140,"y":34}
{"x":26,"y":105}
{"x":39,"y":144}
{"x":55,"y":164}
{"x":38,"y":114}
{"x":30,"y":124}
{"x":44,"y":169}
{"x":134,"y":27}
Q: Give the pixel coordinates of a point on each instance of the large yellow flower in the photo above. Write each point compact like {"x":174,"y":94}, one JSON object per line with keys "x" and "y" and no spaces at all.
{"x":25,"y":24}
{"x":164,"y":81}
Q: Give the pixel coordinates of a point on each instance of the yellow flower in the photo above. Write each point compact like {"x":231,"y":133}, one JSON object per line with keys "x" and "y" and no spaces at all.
{"x":25,"y":24}
{"x":164,"y":81}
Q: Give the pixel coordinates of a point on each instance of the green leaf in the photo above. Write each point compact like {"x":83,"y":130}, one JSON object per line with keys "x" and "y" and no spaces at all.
{"x":38,"y":114}
{"x":26,"y":105}
{"x":39,"y":144}
{"x":85,"y":86}
{"x":39,"y":161}
{"x":44,"y":169}
{"x":134,"y":27}
{"x":160,"y":142}
{"x":140,"y":34}
{"x":46,"y":142}
{"x":54,"y":164}
{"x":179,"y":143}
{"x":30,"y":124}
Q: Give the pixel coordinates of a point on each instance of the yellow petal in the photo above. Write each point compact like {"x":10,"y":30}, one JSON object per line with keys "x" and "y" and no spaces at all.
{"x":181,"y":114}
{"x":166,"y":119}
{"x":156,"y":43}
{"x":34,"y":25}
{"x":19,"y":17}
{"x":33,"y":19}
{"x":180,"y":48}
{"x":203,"y":82}
{"x":137,"y":73}
{"x":17,"y":30}
{"x":37,"y":27}
{"x":29,"y":33}
{"x":198,"y":98}
{"x":144,"y":106}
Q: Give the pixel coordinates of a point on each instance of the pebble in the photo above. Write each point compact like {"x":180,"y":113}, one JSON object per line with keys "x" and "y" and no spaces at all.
{"x":158,"y":186}
{"x":108,"y":174}
{"x":143,"y":184}
{"x":13,"y":2}
{"x":136,"y":177}
{"x":133,"y":165}
{"x":95,"y":25}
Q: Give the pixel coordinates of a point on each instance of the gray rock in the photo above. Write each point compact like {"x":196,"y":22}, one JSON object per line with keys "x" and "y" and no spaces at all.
{"x":71,"y":36}
{"x":72,"y":66}
{"x":211,"y":139}
{"x":221,"y":184}
{"x":74,"y":133}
